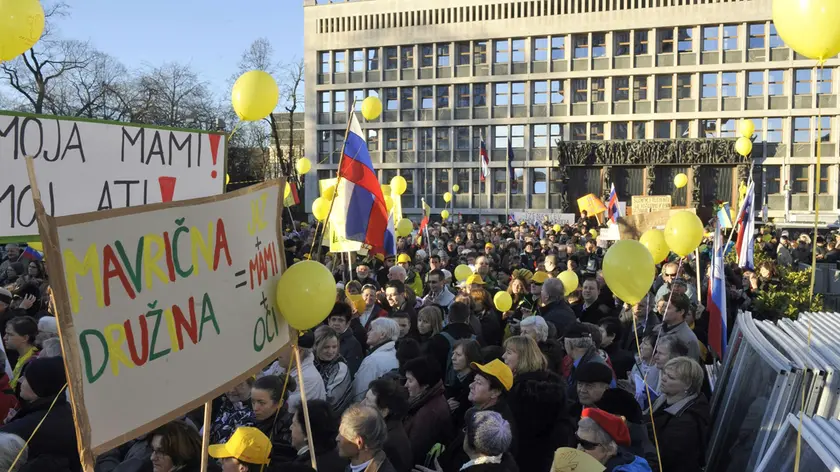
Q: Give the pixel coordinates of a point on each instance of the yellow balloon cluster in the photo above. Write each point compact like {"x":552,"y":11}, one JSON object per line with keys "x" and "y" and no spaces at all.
{"x":502,"y":301}
{"x":683,"y":233}
{"x":21,"y":26}
{"x":570,"y":281}
{"x":654,"y":241}
{"x":389,"y":203}
{"x":329,"y":192}
{"x":303,"y":165}
{"x":680,"y":180}
{"x":746,"y":128}
{"x":404,"y":227}
{"x":371,"y":108}
{"x":305,"y":294}
{"x":743,"y":146}
{"x":456,"y":188}
{"x":462,"y":271}
{"x":321,"y":208}
{"x":399,"y":185}
{"x":444,"y":214}
{"x":809,"y":27}
{"x":447,"y":197}
{"x":629,"y":270}
{"x":254,"y":95}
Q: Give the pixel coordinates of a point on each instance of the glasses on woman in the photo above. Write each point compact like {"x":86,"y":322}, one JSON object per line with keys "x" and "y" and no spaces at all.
{"x":588,"y":445}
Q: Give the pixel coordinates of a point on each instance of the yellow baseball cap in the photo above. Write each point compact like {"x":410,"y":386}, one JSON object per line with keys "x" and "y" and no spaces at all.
{"x":539,"y":277}
{"x":475,"y":279}
{"x":247,"y":444}
{"x":490,"y":245}
{"x":403,"y":258}
{"x":498,"y":370}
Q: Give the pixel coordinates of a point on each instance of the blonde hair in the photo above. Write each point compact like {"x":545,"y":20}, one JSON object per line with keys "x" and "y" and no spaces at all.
{"x":687,"y":371}
{"x":531,"y":359}
{"x":432,"y":315}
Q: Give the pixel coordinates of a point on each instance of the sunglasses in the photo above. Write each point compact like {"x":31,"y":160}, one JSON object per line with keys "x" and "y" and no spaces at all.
{"x":588,"y":445}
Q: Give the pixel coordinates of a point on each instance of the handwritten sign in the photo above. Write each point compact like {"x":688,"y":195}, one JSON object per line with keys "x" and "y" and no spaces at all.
{"x":551,"y":217}
{"x":650,"y":203}
{"x":591,"y":204}
{"x":567,"y":459}
{"x":84,"y":166}
{"x":633,"y":226}
{"x":164,"y":307}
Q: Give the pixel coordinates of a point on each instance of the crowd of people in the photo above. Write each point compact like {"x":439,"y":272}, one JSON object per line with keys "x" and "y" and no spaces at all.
{"x":416,"y":371}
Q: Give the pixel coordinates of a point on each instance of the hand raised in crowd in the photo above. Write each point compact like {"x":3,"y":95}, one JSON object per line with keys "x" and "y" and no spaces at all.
{"x":420,"y":468}
{"x":27,"y":302}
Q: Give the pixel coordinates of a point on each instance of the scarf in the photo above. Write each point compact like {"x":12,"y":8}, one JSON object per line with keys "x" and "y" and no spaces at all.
{"x":417,"y":402}
{"x":22,"y":360}
{"x":328,"y":369}
{"x":483,"y":460}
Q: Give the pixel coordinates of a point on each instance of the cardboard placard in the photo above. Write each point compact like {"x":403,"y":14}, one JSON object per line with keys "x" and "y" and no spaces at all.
{"x":162,"y":308}
{"x":633,"y":226}
{"x":539,"y":217}
{"x":650,"y":203}
{"x":86,"y":165}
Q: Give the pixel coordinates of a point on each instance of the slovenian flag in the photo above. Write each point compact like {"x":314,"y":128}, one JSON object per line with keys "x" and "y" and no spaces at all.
{"x":390,"y":241}
{"x":717,"y":298}
{"x":485,"y":160}
{"x":612,"y":205}
{"x":31,"y":254}
{"x":746,"y":230}
{"x":724,"y":216}
{"x":365,"y":218}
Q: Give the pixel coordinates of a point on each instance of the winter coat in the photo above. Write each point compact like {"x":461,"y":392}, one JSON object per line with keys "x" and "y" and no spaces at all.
{"x":134,"y":456}
{"x":560,"y":314}
{"x":554,"y":354}
{"x":624,"y":461}
{"x":55,"y":437}
{"x":507,"y":465}
{"x":593,"y":355}
{"x":380,"y":463}
{"x":280,"y":433}
{"x":454,"y":457}
{"x":397,"y":447}
{"x":380,"y":361}
{"x":8,"y":399}
{"x":428,"y":421}
{"x":622,"y":360}
{"x":350,"y":350}
{"x":328,"y":461}
{"x":439,"y":347}
{"x":312,"y":381}
{"x":459,"y":390}
{"x":491,"y":328}
{"x":683,"y":432}
{"x":337,"y":382}
{"x":538,"y":402}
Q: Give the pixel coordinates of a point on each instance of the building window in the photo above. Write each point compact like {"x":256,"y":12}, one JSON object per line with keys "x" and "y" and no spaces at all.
{"x":427,"y":98}
{"x":729,"y":84}
{"x":500,"y":179}
{"x":427,"y":55}
{"x":824,"y":131}
{"x":824,"y":81}
{"x":517,"y":136}
{"x":479,"y":132}
{"x":424,"y":139}
{"x":683,"y":129}
{"x":538,"y":182}
{"x":442,"y":137}
{"x":685,"y":39}
{"x":709,"y":80}
{"x":540,"y":49}
{"x":772,"y":179}
{"x":443,"y":55}
{"x":407,"y":138}
{"x":462,"y":138}
{"x":802,"y":129}
{"x":480,"y":95}
{"x":390,"y":139}
{"x":324,"y":141}
{"x":557,"y":92}
{"x":358,"y":64}
{"x":339,"y":100}
{"x":640,"y":130}
{"x":803,"y":82}
{"x":373,"y":140}
{"x":710,"y":38}
{"x":501,"y":92}
{"x":517,"y":50}
{"x":662,"y":129}
{"x":391,"y":58}
{"x":539,"y":136}
{"x":500,"y":136}
{"x":666,"y":40}
{"x":621,"y":46}
{"x":798,"y":178}
{"x":391,"y":101}
{"x":664,"y":87}
{"x":708,"y":128}
{"x":776,"y":83}
{"x":373,"y":59}
{"x":358,"y":98}
{"x":579,"y":131}
{"x":683,"y":86}
{"x":727,"y":128}
{"x":558,"y":48}
{"x":462,"y":52}
{"x":338,"y":143}
{"x":599,"y":44}
{"x":407,"y":54}
{"x":462,"y":95}
{"x":555,"y":133}
{"x":579,"y":87}
{"x":755,"y":83}
{"x":443,"y":96}
{"x":338,"y":62}
{"x":502,"y":52}
{"x":407,"y":98}
{"x":775,"y":40}
{"x":324,"y":98}
{"x":540,"y":92}
{"x":641,"y":37}
{"x":462,"y":178}
{"x":823,"y":190}
{"x":756,"y":40}
{"x":597,"y":88}
{"x":774,"y":130}
{"x":480,"y":52}
{"x":621,"y":89}
{"x":639,"y":88}
{"x":758,"y":125}
{"x":581,"y":42}
{"x":517,"y":93}
{"x":619,"y":130}
{"x":325,"y":62}
{"x":596,"y":131}
{"x":730,"y":37}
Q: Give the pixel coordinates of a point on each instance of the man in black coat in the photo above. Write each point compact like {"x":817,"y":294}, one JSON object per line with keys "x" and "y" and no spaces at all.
{"x":556,"y":309}
{"x":590,"y":309}
{"x":349,"y":346}
{"x":441,"y":344}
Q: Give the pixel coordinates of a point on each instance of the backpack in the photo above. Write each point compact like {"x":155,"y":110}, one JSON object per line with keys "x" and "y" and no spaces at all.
{"x":451,"y":377}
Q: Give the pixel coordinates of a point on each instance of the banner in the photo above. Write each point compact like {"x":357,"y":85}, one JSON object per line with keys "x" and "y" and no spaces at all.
{"x":554,"y":218}
{"x":642,"y":204}
{"x":85,"y":166}
{"x":164,"y":307}
{"x":632,"y":226}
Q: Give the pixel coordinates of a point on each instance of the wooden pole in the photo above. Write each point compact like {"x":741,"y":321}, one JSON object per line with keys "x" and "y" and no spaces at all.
{"x":303,"y":407}
{"x":205,"y":436}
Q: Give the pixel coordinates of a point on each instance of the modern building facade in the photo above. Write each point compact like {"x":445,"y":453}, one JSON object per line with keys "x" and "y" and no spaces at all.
{"x":584,"y":93}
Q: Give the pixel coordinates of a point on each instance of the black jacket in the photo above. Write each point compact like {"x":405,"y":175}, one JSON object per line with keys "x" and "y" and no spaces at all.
{"x":454,"y":457}
{"x":622,"y":361}
{"x":492,"y":332}
{"x":687,"y":434}
{"x":397,"y":447}
{"x":328,"y":461}
{"x":350,"y":350}
{"x":594,"y":312}
{"x":554,"y":354}
{"x":380,"y":463}
{"x":56,"y":436}
{"x":560,"y":314}
{"x":439,"y":346}
{"x":507,"y":465}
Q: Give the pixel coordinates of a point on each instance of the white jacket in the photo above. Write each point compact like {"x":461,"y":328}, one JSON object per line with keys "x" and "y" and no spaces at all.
{"x":375,"y":365}
{"x":312,"y":381}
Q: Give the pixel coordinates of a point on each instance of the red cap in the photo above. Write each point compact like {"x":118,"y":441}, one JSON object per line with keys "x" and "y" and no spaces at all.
{"x":612,"y":424}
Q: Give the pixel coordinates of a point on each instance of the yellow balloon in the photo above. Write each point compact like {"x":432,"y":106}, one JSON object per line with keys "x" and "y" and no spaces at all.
{"x":746,"y":128}
{"x":371,"y":108}
{"x":570,"y":281}
{"x":303,"y":165}
{"x":21,"y":26}
{"x":502,"y":301}
{"x":287,"y":191}
{"x":809,"y":27}
{"x":680,"y":180}
{"x":404,"y":227}
{"x":399,"y":185}
{"x":629,"y":270}
{"x":444,"y":214}
{"x":389,"y":203}
{"x":557,"y":228}
{"x":683,"y":233}
{"x":456,"y":188}
{"x":305,"y":294}
{"x":462,"y":271}
{"x":329,"y":193}
{"x":227,"y":179}
{"x":254,"y":95}
{"x":743,"y":146}
{"x":321,"y":209}
{"x":447,"y":197}
{"x":654,"y":241}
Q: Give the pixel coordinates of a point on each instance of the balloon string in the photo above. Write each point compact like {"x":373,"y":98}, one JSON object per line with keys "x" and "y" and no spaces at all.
{"x":670,"y":294}
{"x":282,"y":399}
{"x":644,"y":380}
{"x":235,"y":127}
{"x":37,"y":427}
{"x":818,"y":69}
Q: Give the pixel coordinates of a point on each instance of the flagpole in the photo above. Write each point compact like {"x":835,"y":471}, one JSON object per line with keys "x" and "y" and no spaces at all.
{"x":338,"y":171}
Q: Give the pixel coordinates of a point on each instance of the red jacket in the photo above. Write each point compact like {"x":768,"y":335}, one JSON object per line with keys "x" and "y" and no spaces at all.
{"x":8,"y":399}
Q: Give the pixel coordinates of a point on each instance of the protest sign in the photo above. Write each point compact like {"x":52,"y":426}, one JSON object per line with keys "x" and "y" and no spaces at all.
{"x":164,"y":307}
{"x":647,"y":204}
{"x":633,"y":226}
{"x":539,"y":217}
{"x":85,"y":166}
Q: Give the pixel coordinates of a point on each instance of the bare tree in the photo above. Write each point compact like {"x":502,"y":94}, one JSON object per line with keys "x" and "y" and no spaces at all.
{"x":291,"y":91}
{"x":170,"y":95}
{"x":88,"y":92}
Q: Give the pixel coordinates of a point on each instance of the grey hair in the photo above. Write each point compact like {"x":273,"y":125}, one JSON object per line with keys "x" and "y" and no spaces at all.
{"x":398,"y":271}
{"x":387,"y":327}
{"x":554,"y":288}
{"x":488,"y":433}
{"x":539,"y":324}
{"x":581,"y":343}
{"x":601,"y":437}
{"x":10,"y":447}
{"x":366,"y":423}
{"x":51,"y":348}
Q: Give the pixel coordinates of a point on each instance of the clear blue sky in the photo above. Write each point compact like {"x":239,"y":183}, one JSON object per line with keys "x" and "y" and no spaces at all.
{"x":210,"y":35}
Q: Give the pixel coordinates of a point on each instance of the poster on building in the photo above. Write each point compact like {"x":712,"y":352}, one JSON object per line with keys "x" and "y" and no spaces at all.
{"x":552,"y":217}
{"x":166,"y":306}
{"x":85,"y":166}
{"x":647,"y":204}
